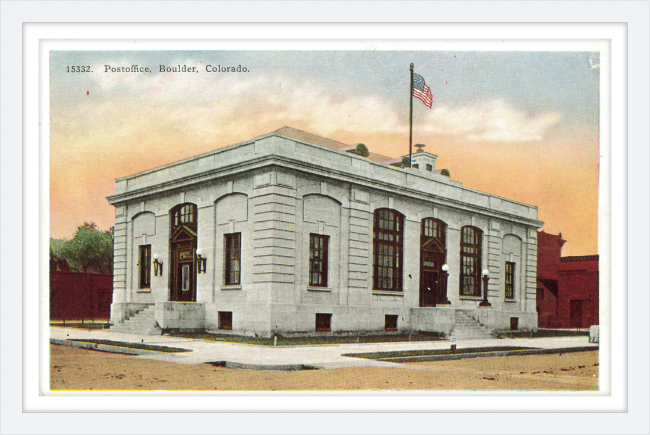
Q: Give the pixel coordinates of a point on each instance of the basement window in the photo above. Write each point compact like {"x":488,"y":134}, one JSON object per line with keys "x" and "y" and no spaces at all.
{"x":225,"y":320}
{"x":514,"y":323}
{"x":323,"y":322}
{"x":390,"y":323}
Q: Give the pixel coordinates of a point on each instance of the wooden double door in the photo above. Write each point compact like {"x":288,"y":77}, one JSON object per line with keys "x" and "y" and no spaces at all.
{"x":183,"y":266}
{"x":431,"y":285}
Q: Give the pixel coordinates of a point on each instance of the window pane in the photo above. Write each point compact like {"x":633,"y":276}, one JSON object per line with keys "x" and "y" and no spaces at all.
{"x":470,"y":253}
{"x":509,"y":280}
{"x":387,"y":250}
{"x":233,"y":259}
{"x":185,"y":278}
{"x":145,"y":266}
{"x":318,"y":260}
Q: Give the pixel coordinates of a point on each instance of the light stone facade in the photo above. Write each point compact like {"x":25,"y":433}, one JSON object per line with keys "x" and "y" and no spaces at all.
{"x":276,"y":190}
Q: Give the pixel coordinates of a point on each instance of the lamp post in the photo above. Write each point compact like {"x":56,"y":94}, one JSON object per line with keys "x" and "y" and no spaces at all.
{"x":157,"y":265}
{"x":484,"y":302}
{"x":442,"y":293}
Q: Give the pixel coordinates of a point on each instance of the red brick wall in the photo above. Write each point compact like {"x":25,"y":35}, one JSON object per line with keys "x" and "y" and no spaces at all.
{"x":578,"y":282}
{"x":546,"y":307}
{"x":561,"y":280}
{"x":80,"y":296}
{"x":549,"y":251}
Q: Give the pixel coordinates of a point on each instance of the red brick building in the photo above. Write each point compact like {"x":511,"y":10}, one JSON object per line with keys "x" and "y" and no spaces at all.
{"x":80,"y":296}
{"x":567,"y":287}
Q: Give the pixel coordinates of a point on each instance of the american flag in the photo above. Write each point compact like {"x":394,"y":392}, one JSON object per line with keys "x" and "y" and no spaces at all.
{"x":421,"y":90}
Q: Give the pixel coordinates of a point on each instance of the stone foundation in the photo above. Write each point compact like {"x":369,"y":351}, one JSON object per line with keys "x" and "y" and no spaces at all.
{"x":180,"y":316}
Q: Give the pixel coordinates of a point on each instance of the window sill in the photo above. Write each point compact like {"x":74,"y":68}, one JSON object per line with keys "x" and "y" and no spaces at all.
{"x":231,"y":287}
{"x":470,"y":298}
{"x":387,"y":293}
{"x":319,"y":289}
{"x":144,"y":290}
{"x":510,"y":300}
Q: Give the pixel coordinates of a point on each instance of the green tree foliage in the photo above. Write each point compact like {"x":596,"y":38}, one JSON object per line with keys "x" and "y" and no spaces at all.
{"x":445,"y":172}
{"x":90,"y":251}
{"x":406,"y":162}
{"x":360,"y":150}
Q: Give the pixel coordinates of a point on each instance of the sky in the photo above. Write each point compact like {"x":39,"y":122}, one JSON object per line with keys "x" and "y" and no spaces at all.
{"x":521,"y":125}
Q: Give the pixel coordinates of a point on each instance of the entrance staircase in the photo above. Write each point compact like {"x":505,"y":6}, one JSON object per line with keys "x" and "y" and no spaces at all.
{"x":142,"y":322}
{"x":467,"y":327}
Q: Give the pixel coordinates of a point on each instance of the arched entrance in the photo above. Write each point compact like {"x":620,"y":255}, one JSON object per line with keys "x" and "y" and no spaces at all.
{"x":433,"y":256}
{"x":182,"y":249}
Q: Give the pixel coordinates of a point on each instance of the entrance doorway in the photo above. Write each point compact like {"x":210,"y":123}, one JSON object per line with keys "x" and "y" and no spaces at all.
{"x":429,"y":288}
{"x":182,"y":246}
{"x":433,"y":256}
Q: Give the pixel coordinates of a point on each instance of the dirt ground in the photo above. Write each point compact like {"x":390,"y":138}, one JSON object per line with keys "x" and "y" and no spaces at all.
{"x":82,"y":369}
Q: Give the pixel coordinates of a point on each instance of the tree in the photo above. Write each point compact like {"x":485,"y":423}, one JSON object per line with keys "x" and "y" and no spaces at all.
{"x":360,"y":150}
{"x":445,"y":172}
{"x":406,"y":162}
{"x":91,"y":250}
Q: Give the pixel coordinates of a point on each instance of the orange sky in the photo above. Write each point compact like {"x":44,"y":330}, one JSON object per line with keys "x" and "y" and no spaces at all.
{"x":542,"y":150}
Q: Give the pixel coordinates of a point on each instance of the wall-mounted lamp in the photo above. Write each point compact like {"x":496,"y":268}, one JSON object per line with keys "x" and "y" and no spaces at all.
{"x":484,"y":302}
{"x":201,"y":261}
{"x":157,"y":265}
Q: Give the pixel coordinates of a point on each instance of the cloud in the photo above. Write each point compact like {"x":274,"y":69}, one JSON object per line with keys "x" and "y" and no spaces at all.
{"x":495,"y":121}
{"x":208,"y":102}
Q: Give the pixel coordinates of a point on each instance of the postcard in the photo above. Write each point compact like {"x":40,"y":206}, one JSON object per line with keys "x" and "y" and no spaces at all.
{"x":330,"y":216}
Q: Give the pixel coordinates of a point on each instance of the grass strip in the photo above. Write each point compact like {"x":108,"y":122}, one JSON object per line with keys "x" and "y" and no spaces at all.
{"x":80,"y":325}
{"x":140,"y":346}
{"x":437,"y":352}
{"x":541,"y":333}
{"x":306,"y":341}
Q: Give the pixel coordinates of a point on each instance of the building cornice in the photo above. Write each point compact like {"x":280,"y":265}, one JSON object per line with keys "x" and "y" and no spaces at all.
{"x":274,"y":150}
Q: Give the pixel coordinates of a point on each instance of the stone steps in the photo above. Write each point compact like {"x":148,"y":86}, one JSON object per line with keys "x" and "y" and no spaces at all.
{"x":468,"y":328}
{"x":142,"y":322}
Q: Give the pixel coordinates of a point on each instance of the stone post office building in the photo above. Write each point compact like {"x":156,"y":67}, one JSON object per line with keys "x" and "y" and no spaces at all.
{"x":289,"y":233}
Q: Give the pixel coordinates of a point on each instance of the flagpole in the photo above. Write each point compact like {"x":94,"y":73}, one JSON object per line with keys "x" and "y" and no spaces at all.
{"x":411,"y":122}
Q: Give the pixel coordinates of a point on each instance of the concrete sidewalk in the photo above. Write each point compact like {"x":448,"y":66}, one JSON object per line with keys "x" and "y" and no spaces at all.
{"x":322,"y":356}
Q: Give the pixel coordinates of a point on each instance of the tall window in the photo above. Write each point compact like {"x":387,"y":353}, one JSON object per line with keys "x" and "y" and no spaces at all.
{"x":510,"y":280}
{"x":470,"y":261}
{"x":233,"y":258}
{"x":318,"y":260}
{"x":145,"y":266}
{"x":387,"y":250}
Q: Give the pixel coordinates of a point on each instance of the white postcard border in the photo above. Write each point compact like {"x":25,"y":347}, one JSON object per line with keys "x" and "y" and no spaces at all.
{"x":638,"y":217}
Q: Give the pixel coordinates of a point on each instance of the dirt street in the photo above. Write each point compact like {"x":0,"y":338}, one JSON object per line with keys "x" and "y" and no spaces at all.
{"x":81,"y":369}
